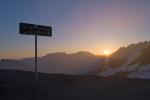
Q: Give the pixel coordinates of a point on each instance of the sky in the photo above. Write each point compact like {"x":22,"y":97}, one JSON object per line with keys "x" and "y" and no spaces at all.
{"x":78,"y":25}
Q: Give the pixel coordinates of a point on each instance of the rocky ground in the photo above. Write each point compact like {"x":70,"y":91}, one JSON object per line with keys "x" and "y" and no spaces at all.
{"x":20,"y":85}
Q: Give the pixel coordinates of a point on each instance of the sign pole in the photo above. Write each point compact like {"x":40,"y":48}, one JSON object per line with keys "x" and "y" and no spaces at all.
{"x":36,"y":70}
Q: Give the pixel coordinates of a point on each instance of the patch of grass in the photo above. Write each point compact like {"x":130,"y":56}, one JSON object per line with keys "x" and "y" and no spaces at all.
{"x":122,"y":74}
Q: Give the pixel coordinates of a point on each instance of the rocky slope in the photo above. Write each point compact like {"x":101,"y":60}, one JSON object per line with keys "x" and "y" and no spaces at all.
{"x":132,"y":61}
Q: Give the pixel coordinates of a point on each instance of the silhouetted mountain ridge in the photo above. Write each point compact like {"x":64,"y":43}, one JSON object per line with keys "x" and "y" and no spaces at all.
{"x":60,"y":62}
{"x":125,"y":52}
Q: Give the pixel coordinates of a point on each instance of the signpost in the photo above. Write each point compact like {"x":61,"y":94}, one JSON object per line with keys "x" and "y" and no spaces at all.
{"x":33,"y":29}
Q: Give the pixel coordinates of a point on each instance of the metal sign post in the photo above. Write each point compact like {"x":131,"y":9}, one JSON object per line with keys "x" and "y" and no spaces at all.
{"x":33,"y":29}
{"x":36,"y":70}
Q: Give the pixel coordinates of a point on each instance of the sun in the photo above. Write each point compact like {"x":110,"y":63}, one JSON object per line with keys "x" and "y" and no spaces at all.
{"x":107,"y":52}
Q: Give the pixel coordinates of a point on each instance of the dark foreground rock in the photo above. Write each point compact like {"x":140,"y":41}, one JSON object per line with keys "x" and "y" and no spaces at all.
{"x":20,"y":85}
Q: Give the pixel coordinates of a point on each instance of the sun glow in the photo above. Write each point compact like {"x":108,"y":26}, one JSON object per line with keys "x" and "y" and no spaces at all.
{"x":106,"y":52}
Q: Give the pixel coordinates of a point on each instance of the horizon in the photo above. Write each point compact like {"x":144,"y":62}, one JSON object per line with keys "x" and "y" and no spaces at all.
{"x":105,"y":53}
{"x":57,"y":52}
{"x":78,"y":25}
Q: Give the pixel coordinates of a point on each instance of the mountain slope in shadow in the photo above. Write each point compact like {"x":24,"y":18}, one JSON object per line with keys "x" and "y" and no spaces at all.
{"x":132,"y":61}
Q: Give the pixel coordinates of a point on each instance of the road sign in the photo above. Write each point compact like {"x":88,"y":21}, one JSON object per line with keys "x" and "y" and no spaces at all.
{"x":33,"y":29}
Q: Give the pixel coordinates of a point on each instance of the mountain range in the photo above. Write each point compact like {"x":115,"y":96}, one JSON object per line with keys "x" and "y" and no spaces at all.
{"x":132,"y":61}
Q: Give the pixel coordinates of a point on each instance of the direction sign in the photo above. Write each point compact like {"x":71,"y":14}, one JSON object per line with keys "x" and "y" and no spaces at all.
{"x":33,"y":29}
